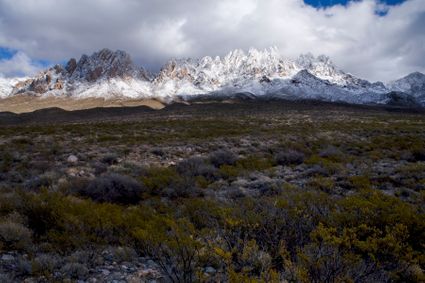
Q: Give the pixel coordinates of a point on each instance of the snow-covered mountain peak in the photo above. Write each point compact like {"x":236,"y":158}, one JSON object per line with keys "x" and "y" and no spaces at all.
{"x":105,"y":64}
{"x":240,"y":69}
{"x":110,"y":74}
{"x":412,"y":84}
{"x":105,"y":73}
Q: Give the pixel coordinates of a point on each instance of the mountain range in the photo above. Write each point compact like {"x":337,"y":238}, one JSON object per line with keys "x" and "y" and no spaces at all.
{"x":256,"y":73}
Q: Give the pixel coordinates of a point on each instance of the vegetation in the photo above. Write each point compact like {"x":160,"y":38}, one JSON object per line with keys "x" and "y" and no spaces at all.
{"x":258,"y":196}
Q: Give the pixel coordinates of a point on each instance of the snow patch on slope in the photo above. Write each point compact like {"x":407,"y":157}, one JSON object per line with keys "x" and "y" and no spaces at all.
{"x":7,"y":85}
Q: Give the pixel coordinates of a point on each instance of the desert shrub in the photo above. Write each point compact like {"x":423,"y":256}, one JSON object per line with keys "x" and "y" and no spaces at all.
{"x":245,"y":165}
{"x":181,"y":188}
{"x":329,"y":166}
{"x":254,"y":163}
{"x":196,"y":166}
{"x":411,"y":170}
{"x":22,"y":141}
{"x":9,"y":201}
{"x":121,"y":254}
{"x":286,"y":220}
{"x":316,"y":170}
{"x":222,"y":157}
{"x":325,"y":259}
{"x":172,"y":244}
{"x":301,"y":145}
{"x":289,"y":157}
{"x":74,"y":185}
{"x":41,"y":212}
{"x":204,"y":213}
{"x":15,"y":236}
{"x":418,"y":154}
{"x":254,"y":260}
{"x":229,"y":171}
{"x":45,"y":264}
{"x":359,"y":182}
{"x":23,"y":266}
{"x":202,"y":182}
{"x":158,"y":152}
{"x":110,"y":159}
{"x":75,"y":271}
{"x":331,"y":153}
{"x":14,"y":176}
{"x":323,"y":184}
{"x":40,"y":166}
{"x":132,"y":169}
{"x":38,"y":182}
{"x":404,"y":155}
{"x":7,"y":278}
{"x":234,"y":193}
{"x":168,"y":183}
{"x":99,"y":168}
{"x":6,"y":161}
{"x":157,"y":178}
{"x":88,"y":258}
{"x":375,"y":209}
{"x":402,"y":193}
{"x":3,"y":177}
{"x":190,"y":167}
{"x":266,"y":188}
{"x":114,"y":188}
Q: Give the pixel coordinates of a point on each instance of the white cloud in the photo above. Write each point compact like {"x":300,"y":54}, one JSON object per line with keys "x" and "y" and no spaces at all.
{"x":354,"y":36}
{"x":18,"y":65}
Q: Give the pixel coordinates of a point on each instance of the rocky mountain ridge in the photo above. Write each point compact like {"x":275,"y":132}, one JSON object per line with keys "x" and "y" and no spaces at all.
{"x":112,"y":74}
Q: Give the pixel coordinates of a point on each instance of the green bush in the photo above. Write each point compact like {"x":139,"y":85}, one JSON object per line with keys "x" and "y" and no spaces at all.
{"x":173,"y":245}
{"x":197,"y":167}
{"x":45,"y":264}
{"x":323,"y":184}
{"x":113,"y":188}
{"x":75,"y":271}
{"x":222,"y":157}
{"x":289,"y":157}
{"x":15,"y":236}
{"x":158,"y":178}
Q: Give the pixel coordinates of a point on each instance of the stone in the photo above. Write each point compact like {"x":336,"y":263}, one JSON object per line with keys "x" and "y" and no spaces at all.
{"x":151,"y":263}
{"x":72,"y":159}
{"x":7,"y":257}
{"x":210,"y":270}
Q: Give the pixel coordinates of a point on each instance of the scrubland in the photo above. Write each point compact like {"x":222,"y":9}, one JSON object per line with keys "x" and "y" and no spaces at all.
{"x":243,"y":192}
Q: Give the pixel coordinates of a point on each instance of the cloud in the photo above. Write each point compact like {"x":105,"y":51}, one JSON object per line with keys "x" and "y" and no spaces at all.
{"x":365,"y":38}
{"x":18,"y":65}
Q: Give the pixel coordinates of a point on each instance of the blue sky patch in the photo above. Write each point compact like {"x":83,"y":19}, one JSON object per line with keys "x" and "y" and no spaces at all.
{"x":6,"y":53}
{"x":328,"y":3}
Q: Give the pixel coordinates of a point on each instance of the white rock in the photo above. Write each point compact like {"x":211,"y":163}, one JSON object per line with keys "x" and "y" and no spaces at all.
{"x":210,"y":270}
{"x":7,"y":257}
{"x":72,"y":159}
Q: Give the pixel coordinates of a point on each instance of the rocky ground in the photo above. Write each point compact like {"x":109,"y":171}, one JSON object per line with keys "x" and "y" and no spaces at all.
{"x":111,"y":265}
